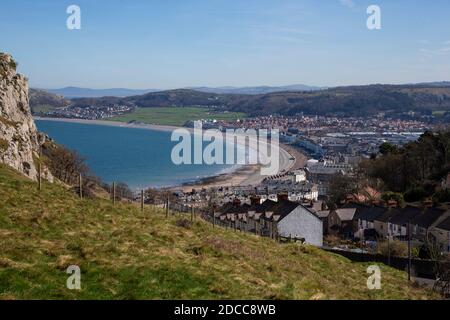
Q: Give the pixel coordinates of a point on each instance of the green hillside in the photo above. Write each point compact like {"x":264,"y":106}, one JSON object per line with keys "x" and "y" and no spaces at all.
{"x":175,"y":116}
{"x":126,"y":254}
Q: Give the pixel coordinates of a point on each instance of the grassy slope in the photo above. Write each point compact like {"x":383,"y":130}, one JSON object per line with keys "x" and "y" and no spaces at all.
{"x":175,"y":116}
{"x":126,"y":254}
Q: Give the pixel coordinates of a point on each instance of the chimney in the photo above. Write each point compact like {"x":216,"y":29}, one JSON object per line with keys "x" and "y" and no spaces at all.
{"x":282,"y":197}
{"x":392,"y":204}
{"x":255,"y":200}
{"x":427,"y":203}
{"x":348,"y":199}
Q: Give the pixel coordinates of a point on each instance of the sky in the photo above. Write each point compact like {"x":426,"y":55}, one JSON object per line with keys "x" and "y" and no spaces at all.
{"x":164,"y":44}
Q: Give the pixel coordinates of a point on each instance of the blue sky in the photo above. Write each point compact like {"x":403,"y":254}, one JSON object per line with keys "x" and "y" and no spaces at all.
{"x":179,"y":43}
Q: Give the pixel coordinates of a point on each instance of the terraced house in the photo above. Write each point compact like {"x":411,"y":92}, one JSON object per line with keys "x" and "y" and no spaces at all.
{"x":282,"y":218}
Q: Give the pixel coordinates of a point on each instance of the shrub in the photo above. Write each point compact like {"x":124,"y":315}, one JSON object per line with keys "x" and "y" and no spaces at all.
{"x":416,"y":194}
{"x":183,"y":223}
{"x":397,"y":248}
{"x":13,"y":64}
{"x":387,"y":196}
{"x":442,"y":196}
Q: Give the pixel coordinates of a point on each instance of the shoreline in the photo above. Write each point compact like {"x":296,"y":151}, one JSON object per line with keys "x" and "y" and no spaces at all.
{"x":244,"y":175}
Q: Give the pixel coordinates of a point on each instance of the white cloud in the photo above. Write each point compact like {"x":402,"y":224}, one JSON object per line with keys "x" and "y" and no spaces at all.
{"x":347,"y":3}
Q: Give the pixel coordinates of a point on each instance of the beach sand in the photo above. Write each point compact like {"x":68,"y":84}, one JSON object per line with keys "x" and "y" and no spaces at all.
{"x":248,"y":175}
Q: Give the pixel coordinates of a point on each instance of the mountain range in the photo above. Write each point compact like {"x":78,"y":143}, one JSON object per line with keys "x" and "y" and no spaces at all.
{"x":365,"y":100}
{"x":76,"y":92}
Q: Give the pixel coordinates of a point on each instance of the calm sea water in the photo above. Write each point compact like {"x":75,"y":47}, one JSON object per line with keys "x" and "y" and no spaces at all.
{"x":138,"y":157}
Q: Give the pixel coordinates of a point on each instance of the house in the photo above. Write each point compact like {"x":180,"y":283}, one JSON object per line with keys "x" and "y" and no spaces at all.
{"x":402,"y":217}
{"x":283,"y":218}
{"x":323,"y":215}
{"x":363,"y":221}
{"x":395,"y":221}
{"x":441,"y":232}
{"x":422,"y":225}
{"x":296,"y":220}
{"x":340,"y":222}
{"x":381,"y":223}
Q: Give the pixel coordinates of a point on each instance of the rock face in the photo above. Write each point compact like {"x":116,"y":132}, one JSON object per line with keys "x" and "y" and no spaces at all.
{"x":19,"y":139}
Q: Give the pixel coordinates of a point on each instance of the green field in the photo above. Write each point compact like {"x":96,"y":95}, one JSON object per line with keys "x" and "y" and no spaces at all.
{"x":175,"y":116}
{"x":439,"y":113}
{"x":124,"y":253}
{"x":44,"y":108}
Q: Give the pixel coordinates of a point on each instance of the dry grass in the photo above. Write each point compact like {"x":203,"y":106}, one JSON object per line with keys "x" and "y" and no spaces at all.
{"x":126,"y":254}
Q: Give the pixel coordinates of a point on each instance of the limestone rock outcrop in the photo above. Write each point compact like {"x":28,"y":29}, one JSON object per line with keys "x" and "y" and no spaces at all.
{"x":19,"y":139}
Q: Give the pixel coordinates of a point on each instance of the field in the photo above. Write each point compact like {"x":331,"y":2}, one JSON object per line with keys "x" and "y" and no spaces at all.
{"x":124,"y":253}
{"x":175,"y":116}
{"x":42,"y":109}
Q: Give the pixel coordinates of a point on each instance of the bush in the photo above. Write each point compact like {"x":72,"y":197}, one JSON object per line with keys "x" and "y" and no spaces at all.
{"x":64,"y":164}
{"x":387,"y":196}
{"x":13,"y":64}
{"x":123,"y":191}
{"x":442,"y":196}
{"x":416,"y":194}
{"x":397,"y":248}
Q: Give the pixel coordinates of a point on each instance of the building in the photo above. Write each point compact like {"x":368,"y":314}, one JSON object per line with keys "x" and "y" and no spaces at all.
{"x":340,"y":222}
{"x":299,"y":175}
{"x":441,"y":233}
{"x":322,"y":172}
{"x":422,"y":225}
{"x":298,"y":221}
{"x":273,"y":219}
{"x":363,"y":221}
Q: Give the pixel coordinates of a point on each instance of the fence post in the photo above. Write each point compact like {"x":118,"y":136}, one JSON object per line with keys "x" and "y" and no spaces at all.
{"x":192,"y":214}
{"x":214,"y":219}
{"x":114,"y":193}
{"x":40,"y":169}
{"x":142,"y":200}
{"x":81,"y":186}
{"x":167,"y":207}
{"x":409,"y":250}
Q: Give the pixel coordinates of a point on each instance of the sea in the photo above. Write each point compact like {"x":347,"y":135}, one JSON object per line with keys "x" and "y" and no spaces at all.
{"x":139,"y":157}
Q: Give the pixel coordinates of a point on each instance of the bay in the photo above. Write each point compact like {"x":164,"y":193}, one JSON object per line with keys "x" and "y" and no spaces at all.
{"x":139,"y":157}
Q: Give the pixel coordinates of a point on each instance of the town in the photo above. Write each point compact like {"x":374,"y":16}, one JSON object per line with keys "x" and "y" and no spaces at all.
{"x":296,"y":205}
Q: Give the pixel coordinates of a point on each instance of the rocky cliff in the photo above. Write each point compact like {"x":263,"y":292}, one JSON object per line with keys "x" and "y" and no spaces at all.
{"x":19,"y":139}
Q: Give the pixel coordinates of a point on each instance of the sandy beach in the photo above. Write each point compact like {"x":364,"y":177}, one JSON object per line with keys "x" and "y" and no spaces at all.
{"x":246,"y":175}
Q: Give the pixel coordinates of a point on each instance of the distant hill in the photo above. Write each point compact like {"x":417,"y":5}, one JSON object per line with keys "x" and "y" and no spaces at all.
{"x":75,"y":92}
{"x":42,"y":101}
{"x":344,"y":101}
{"x":256,"y":90}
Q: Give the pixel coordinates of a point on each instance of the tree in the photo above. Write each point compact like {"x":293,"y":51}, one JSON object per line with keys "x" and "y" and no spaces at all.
{"x":340,"y":187}
{"x":413,"y":165}
{"x":64,"y":164}
{"x":123,"y":191}
{"x":387,"y":148}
